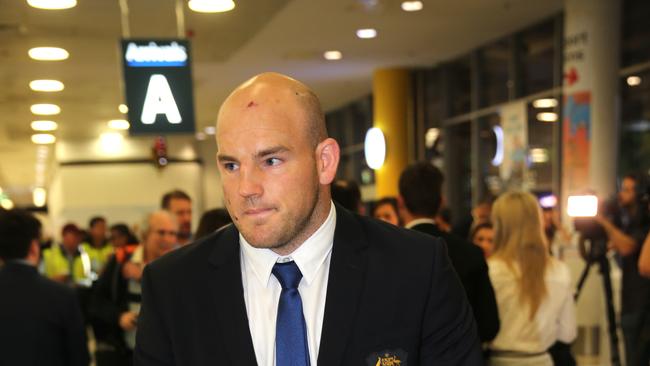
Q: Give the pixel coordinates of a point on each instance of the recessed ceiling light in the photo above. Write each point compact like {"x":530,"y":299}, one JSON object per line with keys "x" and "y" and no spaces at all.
{"x":123,"y":108}
{"x":633,"y":80}
{"x":210,"y":130}
{"x":547,"y":117}
{"x":44,"y":125}
{"x":412,"y":5}
{"x":545,"y":103}
{"x":119,"y":124}
{"x":46,"y":85}
{"x":48,"y":53}
{"x":211,"y":6}
{"x":45,"y":109}
{"x":43,"y":138}
{"x":367,"y":33}
{"x":333,"y":55}
{"x":52,"y":4}
{"x":200,"y":136}
{"x":7,"y":204}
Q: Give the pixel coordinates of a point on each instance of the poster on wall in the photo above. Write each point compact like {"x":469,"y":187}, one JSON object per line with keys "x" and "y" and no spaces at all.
{"x":576,"y":141}
{"x":576,"y":116}
{"x":514,"y":123}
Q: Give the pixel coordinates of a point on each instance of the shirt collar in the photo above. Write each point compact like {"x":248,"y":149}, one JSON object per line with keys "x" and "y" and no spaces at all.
{"x":309,"y":256}
{"x":423,"y":220}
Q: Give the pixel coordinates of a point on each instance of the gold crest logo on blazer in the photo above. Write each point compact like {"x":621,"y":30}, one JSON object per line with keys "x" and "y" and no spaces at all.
{"x":387,"y":358}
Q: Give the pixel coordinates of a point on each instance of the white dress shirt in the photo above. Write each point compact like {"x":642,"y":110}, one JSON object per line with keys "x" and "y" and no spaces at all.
{"x":555,"y":318}
{"x":416,"y":222}
{"x":262,"y":290}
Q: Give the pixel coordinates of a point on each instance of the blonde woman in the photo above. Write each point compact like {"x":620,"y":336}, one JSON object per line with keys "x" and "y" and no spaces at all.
{"x":533,"y":290}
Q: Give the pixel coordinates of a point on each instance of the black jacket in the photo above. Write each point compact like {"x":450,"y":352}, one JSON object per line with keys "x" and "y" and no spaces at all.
{"x":472,"y":269}
{"x":40,"y":320}
{"x":390,"y":292}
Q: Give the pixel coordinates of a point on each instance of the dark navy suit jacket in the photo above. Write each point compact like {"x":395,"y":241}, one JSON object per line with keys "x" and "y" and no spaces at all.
{"x":40,"y":320}
{"x":392,"y":293}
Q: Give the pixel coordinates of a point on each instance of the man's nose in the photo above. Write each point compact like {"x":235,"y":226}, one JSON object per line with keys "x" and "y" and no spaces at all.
{"x":250,"y":183}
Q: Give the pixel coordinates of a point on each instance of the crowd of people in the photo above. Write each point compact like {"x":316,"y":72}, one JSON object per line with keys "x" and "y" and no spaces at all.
{"x":298,"y":280}
{"x":100,"y":267}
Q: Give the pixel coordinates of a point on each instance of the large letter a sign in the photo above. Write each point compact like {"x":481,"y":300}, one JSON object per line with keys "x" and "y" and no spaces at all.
{"x":159,"y":100}
{"x":158,"y":86}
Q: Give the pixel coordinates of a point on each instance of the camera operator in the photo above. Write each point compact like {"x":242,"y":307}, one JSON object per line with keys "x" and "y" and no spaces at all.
{"x":626,"y":227}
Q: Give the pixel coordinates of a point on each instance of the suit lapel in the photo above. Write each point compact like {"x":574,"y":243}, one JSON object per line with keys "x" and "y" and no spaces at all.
{"x":344,"y":288}
{"x":228,"y":294}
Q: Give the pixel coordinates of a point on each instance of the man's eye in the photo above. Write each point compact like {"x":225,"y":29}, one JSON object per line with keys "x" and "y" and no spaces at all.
{"x":230,"y":166}
{"x":273,"y":161}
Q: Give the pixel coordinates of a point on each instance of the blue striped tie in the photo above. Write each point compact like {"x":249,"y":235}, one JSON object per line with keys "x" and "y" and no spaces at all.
{"x":291,"y":348}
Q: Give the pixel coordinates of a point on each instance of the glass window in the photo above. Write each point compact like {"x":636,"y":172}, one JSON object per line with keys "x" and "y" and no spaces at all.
{"x":488,"y":156}
{"x":634,"y":154}
{"x":458,"y":170}
{"x":540,"y":146}
{"x":494,"y":60}
{"x":459,"y":86}
{"x":536,"y":58}
{"x":635,"y":32}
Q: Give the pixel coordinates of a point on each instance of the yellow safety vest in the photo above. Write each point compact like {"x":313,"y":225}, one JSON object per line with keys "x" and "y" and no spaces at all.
{"x":55,"y":263}
{"x":98,"y":256}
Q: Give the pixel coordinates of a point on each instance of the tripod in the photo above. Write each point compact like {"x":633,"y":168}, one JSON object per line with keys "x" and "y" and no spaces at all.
{"x":598,"y":254}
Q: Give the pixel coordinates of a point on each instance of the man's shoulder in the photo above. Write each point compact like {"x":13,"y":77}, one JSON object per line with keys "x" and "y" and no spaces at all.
{"x":29,"y":281}
{"x":384,"y":236}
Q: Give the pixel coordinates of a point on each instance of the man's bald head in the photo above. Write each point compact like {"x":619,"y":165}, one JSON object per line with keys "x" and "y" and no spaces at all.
{"x":273,"y":89}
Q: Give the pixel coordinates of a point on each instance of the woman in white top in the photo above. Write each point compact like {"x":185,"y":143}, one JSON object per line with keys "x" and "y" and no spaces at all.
{"x":533,"y":290}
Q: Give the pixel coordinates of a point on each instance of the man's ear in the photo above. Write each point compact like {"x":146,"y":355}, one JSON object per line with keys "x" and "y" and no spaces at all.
{"x":328,"y":155}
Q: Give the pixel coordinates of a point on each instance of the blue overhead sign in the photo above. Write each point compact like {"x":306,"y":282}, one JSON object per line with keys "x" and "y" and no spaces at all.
{"x":158,"y":83}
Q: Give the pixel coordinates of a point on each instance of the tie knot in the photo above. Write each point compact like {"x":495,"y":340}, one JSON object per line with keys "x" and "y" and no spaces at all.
{"x":288,"y":274}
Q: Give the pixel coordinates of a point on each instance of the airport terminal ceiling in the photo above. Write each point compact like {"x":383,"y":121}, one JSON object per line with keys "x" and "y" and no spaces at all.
{"x":287,"y":36}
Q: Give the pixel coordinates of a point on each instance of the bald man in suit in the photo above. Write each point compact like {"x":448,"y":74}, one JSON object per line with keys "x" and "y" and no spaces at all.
{"x":298,"y":280}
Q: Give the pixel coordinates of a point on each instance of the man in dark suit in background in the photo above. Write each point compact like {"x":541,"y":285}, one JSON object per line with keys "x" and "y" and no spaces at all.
{"x":40,"y":320}
{"x":420,"y":197}
{"x":297,"y":280}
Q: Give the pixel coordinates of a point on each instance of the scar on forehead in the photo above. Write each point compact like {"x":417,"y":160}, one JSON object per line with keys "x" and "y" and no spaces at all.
{"x":252,"y":104}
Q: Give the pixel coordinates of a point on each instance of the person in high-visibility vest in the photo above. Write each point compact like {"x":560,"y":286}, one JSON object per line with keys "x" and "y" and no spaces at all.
{"x":97,"y":246}
{"x":68,"y":262}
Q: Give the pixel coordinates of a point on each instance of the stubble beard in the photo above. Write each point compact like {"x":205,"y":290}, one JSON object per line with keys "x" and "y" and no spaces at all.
{"x":292,"y":235}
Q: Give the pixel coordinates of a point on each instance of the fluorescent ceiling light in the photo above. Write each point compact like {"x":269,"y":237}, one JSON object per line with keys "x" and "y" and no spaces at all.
{"x":412,"y":5}
{"x":123,"y":108}
{"x":547,"y":117}
{"x":545,"y":103}
{"x":46,"y":85}
{"x":43,"y":138}
{"x":52,"y":4}
{"x":367,"y":33}
{"x":118,"y":124}
{"x":211,"y":6}
{"x":633,"y":80}
{"x":44,"y":125}
{"x":39,"y":196}
{"x":48,"y":53}
{"x":111,"y":142}
{"x":538,"y":155}
{"x":45,"y":109}
{"x":333,"y":55}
